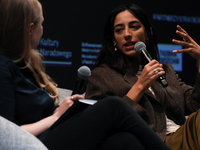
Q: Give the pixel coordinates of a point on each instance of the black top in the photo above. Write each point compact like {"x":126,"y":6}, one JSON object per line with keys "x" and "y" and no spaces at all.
{"x":22,"y":101}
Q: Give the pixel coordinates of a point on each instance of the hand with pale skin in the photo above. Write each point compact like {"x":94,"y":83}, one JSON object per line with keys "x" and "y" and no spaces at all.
{"x":66,"y":103}
{"x":146,"y":79}
{"x":39,"y":127}
{"x":191,"y":47}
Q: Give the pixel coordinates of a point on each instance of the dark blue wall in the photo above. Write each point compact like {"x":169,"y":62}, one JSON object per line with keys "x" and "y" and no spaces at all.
{"x":73,"y":26}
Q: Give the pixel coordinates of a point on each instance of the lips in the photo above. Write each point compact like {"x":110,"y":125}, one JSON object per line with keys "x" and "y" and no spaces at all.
{"x":129,"y":45}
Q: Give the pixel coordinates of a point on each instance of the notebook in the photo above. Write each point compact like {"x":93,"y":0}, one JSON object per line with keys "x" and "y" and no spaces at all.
{"x":78,"y":106}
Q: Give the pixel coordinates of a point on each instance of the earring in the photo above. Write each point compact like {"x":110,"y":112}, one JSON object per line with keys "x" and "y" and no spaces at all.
{"x":115,"y":47}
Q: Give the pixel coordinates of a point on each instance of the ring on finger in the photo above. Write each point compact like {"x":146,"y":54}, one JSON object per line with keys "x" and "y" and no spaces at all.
{"x":155,"y":71}
{"x":72,"y":97}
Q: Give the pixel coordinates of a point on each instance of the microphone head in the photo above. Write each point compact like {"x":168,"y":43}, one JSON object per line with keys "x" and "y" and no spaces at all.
{"x":84,"y":72}
{"x":139,"y":46}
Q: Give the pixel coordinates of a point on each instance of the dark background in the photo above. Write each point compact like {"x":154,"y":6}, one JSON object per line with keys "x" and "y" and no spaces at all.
{"x":77,"y":21}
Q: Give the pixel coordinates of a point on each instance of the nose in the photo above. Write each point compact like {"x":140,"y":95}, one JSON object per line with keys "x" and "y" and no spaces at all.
{"x":127,"y":35}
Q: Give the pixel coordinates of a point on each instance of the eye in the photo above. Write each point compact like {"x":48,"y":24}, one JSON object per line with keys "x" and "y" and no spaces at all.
{"x":135,"y":27}
{"x":119,"y":29}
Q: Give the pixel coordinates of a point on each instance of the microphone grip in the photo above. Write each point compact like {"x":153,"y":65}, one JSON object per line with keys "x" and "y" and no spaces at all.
{"x":79,"y":86}
{"x":147,"y":58}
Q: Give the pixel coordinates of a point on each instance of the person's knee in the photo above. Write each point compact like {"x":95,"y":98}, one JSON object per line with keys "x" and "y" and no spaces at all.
{"x":114,"y":100}
{"x":115,"y":104}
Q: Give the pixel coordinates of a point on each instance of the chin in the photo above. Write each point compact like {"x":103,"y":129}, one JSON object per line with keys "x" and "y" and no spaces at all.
{"x":34,"y":46}
{"x":132,"y":53}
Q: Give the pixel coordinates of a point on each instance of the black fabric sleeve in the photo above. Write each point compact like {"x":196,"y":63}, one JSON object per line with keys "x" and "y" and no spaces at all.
{"x":7,"y":102}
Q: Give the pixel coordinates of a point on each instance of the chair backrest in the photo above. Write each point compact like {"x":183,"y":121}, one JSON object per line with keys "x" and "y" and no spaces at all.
{"x":12,"y":137}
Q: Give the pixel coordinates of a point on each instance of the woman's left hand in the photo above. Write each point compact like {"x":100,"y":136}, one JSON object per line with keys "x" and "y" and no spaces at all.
{"x":64,"y":106}
{"x":191,"y":47}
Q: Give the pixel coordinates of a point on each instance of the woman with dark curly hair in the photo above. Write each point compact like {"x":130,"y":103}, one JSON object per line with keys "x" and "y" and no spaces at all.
{"x":121,"y":71}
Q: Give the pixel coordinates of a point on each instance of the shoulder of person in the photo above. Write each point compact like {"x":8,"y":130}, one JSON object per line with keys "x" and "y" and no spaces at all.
{"x":104,"y":68}
{"x":5,"y":62}
{"x":101,"y":68}
{"x":167,"y":67}
{"x":7,"y":66}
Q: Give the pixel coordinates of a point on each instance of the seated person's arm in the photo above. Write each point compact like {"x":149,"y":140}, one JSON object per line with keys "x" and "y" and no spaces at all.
{"x":39,"y":127}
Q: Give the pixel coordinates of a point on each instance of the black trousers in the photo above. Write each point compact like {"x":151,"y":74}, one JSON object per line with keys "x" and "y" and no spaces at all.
{"x":109,"y":124}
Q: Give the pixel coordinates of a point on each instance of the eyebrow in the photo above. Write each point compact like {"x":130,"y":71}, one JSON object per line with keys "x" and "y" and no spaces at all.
{"x":120,"y":24}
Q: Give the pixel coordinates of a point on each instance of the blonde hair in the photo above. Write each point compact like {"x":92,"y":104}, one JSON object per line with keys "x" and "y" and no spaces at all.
{"x":15,"y":19}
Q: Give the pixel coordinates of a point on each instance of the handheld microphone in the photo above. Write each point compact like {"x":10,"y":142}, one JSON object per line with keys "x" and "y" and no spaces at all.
{"x":140,"y":48}
{"x":83,"y":74}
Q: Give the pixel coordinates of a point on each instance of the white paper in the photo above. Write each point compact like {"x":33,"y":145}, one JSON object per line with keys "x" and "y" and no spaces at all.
{"x":88,"y":101}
